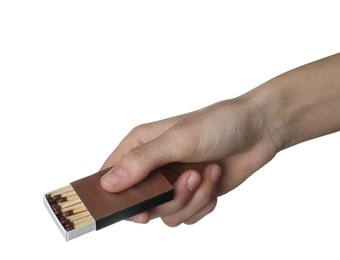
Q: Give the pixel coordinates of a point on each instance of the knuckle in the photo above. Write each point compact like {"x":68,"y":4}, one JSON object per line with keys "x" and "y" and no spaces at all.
{"x":197,"y":217}
{"x":133,"y":133}
{"x":139,"y":132}
{"x":203,"y":198}
{"x":139,"y":154}
{"x":137,"y":129}
{"x":179,"y":204}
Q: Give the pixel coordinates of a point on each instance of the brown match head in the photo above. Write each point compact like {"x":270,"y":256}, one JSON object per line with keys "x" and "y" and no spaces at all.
{"x":51,"y":200}
{"x":69,"y":227}
{"x":57,"y":212}
{"x":56,"y":197}
{"x":68,"y":213}
{"x":64,"y":220}
{"x":55,"y":206}
{"x":62,"y":199}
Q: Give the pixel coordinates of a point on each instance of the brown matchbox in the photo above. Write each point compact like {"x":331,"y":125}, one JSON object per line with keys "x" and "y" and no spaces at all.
{"x":103,"y":208}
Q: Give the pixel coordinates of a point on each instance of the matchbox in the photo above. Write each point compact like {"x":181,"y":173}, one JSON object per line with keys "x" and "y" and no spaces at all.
{"x":83,"y":206}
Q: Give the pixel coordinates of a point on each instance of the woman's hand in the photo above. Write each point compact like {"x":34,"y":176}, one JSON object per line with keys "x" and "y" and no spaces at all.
{"x":215,"y":149}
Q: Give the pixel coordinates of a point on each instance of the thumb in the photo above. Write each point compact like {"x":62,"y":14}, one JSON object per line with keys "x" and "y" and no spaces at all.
{"x":137,"y":164}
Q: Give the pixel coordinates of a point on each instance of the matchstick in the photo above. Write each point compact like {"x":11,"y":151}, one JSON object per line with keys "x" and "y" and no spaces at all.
{"x":63,"y":199}
{"x":74,"y":211}
{"x":60,"y":190}
{"x":78,"y":216}
{"x":75,"y":226}
{"x":63,"y":195}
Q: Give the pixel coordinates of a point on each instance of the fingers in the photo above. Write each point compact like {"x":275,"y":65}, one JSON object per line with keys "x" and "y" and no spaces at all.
{"x":203,"y":200}
{"x":184,"y":188}
{"x":195,"y":197}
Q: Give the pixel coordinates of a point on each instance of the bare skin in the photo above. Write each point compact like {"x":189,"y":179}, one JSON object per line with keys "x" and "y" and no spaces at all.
{"x":215,"y":149}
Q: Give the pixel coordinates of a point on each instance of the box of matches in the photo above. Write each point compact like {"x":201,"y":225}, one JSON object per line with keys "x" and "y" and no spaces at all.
{"x":83,"y":206}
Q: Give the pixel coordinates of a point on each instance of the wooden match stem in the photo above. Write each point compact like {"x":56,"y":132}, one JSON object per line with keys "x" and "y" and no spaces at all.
{"x":78,"y":215}
{"x":74,"y":211}
{"x":77,"y":218}
{"x":60,"y":190}
{"x":78,"y":221}
{"x":63,"y":199}
{"x":64,"y":195}
{"x":69,"y":203}
{"x":75,"y":226}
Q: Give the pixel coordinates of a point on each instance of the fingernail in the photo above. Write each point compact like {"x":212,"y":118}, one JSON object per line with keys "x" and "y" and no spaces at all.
{"x":114,"y":176}
{"x":193,"y":181}
{"x":215,"y":173}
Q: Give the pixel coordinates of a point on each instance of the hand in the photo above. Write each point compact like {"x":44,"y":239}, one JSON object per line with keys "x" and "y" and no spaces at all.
{"x":212,"y":150}
{"x":215,"y":149}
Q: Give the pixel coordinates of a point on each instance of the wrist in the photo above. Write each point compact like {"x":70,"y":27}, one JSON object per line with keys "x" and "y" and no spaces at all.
{"x":267,"y":103}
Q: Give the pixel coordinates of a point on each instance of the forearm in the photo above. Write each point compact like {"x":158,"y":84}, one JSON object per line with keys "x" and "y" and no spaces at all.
{"x":301,"y":104}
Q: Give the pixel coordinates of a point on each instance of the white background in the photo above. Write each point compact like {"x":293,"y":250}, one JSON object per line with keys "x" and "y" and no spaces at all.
{"x":76,"y":76}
